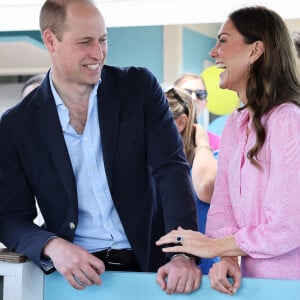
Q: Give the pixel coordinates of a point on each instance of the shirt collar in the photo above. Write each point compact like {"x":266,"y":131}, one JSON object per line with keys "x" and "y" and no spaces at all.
{"x":62,"y":110}
{"x":57,"y":98}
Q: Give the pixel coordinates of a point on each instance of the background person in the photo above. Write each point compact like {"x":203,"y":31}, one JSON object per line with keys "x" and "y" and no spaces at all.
{"x":93,"y":144}
{"x":195,"y":86}
{"x":296,"y":40}
{"x":255,"y":207}
{"x":31,"y":83}
{"x":199,"y":154}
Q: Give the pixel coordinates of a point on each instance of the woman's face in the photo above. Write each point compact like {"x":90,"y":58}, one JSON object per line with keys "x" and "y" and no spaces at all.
{"x":191,"y":86}
{"x":235,"y":56}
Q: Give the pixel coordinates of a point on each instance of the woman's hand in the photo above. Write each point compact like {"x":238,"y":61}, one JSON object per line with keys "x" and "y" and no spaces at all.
{"x":218,"y":275}
{"x":189,"y":241}
{"x":201,"y":136}
{"x":198,"y":244}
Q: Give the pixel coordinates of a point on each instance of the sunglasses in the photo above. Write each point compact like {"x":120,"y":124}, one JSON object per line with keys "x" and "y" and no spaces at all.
{"x":200,"y":94}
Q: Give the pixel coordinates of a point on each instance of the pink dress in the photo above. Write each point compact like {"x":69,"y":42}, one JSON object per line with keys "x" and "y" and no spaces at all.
{"x":261,"y":208}
{"x":214,"y":141}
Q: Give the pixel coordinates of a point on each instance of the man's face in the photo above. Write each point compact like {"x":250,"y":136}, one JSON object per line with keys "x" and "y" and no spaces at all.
{"x":79,"y":56}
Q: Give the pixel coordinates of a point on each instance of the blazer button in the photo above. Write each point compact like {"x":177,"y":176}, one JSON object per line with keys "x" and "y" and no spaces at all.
{"x":72,"y":226}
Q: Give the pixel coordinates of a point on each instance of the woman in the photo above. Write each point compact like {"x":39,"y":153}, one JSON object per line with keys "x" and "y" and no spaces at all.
{"x":195,"y":86}
{"x":255,"y":207}
{"x":199,"y":155}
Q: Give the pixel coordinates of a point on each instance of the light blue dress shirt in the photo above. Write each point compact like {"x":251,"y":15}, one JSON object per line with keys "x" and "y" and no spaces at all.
{"x":99,"y":226}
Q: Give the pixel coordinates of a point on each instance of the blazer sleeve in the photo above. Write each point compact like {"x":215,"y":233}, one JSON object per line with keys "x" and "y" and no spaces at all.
{"x":17,"y":205}
{"x":167,"y":160}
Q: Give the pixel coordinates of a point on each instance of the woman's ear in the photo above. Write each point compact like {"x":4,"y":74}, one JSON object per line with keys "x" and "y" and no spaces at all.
{"x":181,"y":122}
{"x":257,"y":50}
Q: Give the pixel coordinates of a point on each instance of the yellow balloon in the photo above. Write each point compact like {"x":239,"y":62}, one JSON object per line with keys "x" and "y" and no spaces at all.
{"x":219,"y":101}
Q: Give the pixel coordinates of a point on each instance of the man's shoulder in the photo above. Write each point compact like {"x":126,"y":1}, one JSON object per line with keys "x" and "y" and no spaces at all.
{"x":131,"y":79}
{"x":126,"y":71}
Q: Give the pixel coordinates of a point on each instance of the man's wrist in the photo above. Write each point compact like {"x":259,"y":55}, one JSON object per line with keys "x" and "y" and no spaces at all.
{"x":186,"y":256}
{"x":180,"y":255}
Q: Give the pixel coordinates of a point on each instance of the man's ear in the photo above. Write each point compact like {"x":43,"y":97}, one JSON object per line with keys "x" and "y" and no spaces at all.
{"x":257,"y":50}
{"x":49,"y":40}
{"x":181,"y":122}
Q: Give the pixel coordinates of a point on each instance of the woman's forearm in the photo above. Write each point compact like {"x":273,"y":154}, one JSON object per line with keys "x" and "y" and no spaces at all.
{"x":226,"y":246}
{"x":204,"y":173}
{"x":198,"y":244}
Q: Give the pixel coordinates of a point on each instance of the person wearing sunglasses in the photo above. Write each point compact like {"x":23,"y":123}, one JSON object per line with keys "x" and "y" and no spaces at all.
{"x":199,"y":155}
{"x":195,"y":86}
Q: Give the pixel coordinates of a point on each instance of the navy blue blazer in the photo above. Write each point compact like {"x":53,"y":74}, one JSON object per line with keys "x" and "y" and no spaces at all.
{"x":147,"y":172}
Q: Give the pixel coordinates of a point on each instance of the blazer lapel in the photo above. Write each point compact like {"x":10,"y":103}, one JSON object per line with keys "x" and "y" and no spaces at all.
{"x":48,"y":125}
{"x":108,"y":111}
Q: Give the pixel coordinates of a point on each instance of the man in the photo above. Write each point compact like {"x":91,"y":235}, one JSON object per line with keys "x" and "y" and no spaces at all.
{"x":97,"y":146}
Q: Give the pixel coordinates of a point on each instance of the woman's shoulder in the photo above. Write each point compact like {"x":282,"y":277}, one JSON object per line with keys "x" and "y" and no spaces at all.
{"x":284,"y":112}
{"x":287,"y":107}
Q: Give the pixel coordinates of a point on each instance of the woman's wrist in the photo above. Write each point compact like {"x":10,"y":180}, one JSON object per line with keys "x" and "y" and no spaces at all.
{"x":226,"y":246}
{"x":203,"y":147}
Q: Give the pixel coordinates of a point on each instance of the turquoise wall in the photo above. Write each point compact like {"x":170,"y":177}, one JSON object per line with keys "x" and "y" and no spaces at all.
{"x":142,"y":46}
{"x":141,"y":285}
{"x":137,"y":46}
{"x":196,"y":47}
{"x":32,"y":34}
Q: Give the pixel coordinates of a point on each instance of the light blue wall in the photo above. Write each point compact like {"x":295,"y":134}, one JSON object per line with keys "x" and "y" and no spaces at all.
{"x":143,"y":46}
{"x":195,"y":50}
{"x":137,"y":46}
{"x":142,"y":286}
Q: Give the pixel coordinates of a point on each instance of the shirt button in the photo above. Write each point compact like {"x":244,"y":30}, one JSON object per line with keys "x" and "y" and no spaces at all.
{"x":72,"y":225}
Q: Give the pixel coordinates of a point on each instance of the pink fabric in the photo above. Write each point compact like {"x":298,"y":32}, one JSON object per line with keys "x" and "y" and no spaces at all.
{"x":214,"y":140}
{"x":261,"y":208}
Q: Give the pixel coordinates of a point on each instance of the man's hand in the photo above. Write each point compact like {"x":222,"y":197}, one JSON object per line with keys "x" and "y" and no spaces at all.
{"x":228,"y":266}
{"x":181,"y":275}
{"x":76,"y":264}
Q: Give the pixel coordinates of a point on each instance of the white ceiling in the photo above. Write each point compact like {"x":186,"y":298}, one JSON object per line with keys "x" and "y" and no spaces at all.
{"x":25,"y":56}
{"x":23,"y":14}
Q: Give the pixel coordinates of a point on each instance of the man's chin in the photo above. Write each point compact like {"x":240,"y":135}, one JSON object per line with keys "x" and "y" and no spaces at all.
{"x":94,"y":79}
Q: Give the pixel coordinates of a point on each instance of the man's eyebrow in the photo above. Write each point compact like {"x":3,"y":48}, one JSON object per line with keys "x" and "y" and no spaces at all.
{"x":90,"y":37}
